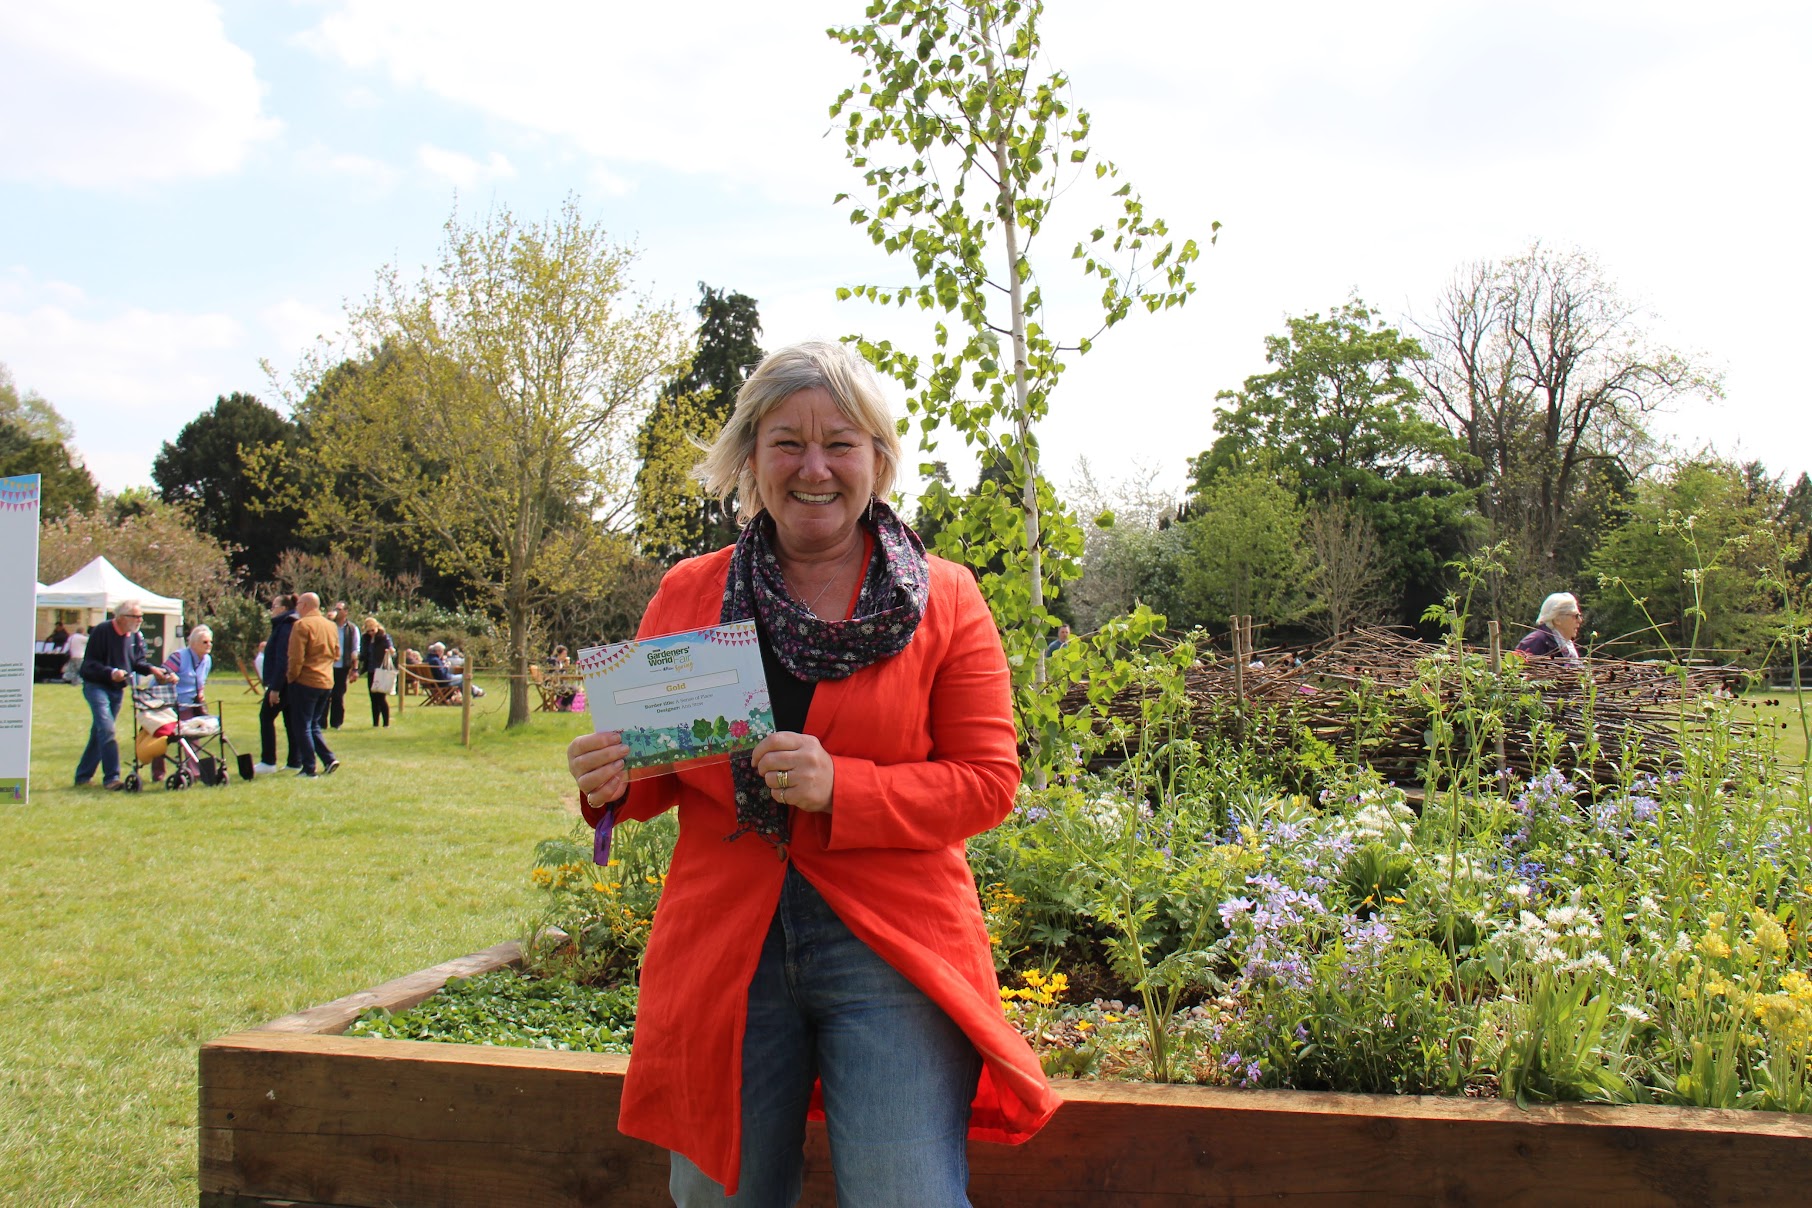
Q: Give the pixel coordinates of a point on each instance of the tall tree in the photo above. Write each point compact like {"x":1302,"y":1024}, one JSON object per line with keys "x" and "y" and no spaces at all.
{"x":1133,"y":551}
{"x":207,"y":466}
{"x":500,"y":421}
{"x":966,"y":141}
{"x":34,"y":439}
{"x":31,"y":412}
{"x":1349,"y":577}
{"x":675,"y":517}
{"x":1692,"y":559}
{"x":1545,"y":377}
{"x":1246,"y":550}
{"x":1340,"y":411}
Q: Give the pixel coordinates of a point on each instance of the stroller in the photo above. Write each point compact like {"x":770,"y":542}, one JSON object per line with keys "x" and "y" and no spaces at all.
{"x":188,"y":735}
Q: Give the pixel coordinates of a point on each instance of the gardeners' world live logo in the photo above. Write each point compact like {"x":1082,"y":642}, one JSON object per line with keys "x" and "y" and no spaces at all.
{"x":671,"y":660}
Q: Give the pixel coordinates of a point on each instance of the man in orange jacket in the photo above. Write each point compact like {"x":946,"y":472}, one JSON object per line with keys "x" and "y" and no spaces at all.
{"x":314,"y":647}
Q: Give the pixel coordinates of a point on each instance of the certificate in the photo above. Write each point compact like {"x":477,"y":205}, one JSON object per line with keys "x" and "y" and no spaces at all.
{"x":681,"y":700}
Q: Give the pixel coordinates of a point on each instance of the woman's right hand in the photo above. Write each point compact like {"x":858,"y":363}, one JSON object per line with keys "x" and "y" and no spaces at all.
{"x":597,"y":764}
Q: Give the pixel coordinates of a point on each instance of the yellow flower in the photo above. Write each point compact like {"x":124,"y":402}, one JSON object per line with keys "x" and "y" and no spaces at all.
{"x":1770,"y":937}
{"x":1784,"y":1016}
{"x":1397,"y":901}
{"x":1083,"y":1025}
{"x":1713,"y":944}
{"x":599,"y":886}
{"x":1798,"y":985}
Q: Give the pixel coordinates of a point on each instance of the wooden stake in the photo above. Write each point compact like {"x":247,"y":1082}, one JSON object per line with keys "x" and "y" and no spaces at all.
{"x":1497,"y":665}
{"x":1239,"y":661}
{"x":465,"y":703}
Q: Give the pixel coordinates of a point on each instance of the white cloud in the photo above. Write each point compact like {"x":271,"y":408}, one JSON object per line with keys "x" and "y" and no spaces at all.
{"x":296,"y":325}
{"x":109,"y":93}
{"x":126,"y":378}
{"x":625,"y":83}
{"x":462,"y":169}
{"x":373,"y":177}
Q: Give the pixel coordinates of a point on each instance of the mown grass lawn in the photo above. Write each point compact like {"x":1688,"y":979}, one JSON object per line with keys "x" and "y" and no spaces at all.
{"x":139,"y":926}
{"x":1778,"y":713}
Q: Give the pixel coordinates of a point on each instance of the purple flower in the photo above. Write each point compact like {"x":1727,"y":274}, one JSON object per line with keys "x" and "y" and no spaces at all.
{"x":1232,"y":907}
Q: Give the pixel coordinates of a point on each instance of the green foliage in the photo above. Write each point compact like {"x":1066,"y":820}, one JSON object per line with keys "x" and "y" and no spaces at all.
{"x":503,"y":1007}
{"x":239,"y":622}
{"x":34,"y":439}
{"x":1694,"y":558}
{"x":1247,"y":555}
{"x":593,"y":922}
{"x":495,"y":413}
{"x":674,"y":517}
{"x":965,"y":143}
{"x":206,"y":467}
{"x":1340,"y":413}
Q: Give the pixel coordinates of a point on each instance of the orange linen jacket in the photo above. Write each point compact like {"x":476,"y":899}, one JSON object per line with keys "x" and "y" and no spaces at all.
{"x":924,"y":754}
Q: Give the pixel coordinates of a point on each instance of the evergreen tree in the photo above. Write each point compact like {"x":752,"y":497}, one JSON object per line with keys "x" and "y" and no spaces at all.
{"x":674,"y":517}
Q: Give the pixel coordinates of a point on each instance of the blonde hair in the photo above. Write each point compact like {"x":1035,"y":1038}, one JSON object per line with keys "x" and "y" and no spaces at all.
{"x":725,"y":469}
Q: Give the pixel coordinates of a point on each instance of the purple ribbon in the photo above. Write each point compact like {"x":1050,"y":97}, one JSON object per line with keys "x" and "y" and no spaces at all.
{"x":600,"y":839}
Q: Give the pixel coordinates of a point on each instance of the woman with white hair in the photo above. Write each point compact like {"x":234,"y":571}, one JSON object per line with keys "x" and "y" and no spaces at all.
{"x":1556,"y":627}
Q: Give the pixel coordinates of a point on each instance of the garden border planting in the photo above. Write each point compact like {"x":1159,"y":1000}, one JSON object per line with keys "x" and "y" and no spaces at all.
{"x":293,"y":1113}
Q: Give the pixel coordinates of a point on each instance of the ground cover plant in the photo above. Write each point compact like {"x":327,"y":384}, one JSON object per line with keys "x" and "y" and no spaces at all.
{"x":550,"y":1012}
{"x":144,"y":925}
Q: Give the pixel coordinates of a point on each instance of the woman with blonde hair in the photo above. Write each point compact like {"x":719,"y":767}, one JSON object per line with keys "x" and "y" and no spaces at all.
{"x":821,"y":878}
{"x":375,"y":651}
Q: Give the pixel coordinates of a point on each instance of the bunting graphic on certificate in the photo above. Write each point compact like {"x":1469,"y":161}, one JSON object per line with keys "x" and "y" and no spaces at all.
{"x":681,"y":700}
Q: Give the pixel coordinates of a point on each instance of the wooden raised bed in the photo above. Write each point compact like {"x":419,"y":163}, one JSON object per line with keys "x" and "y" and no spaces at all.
{"x":293,"y":1113}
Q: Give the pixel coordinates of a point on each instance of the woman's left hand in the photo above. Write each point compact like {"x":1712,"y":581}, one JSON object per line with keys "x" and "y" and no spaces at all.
{"x":797,"y":769}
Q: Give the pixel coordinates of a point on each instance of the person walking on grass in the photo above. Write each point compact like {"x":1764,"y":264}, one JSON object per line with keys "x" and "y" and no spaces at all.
{"x":345,"y":666}
{"x":314,"y":645}
{"x":115,"y":650}
{"x":375,"y":649}
{"x":273,"y":671}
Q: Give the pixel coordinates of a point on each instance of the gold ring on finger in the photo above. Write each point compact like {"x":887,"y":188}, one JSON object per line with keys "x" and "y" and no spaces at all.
{"x":782,"y":783}
{"x":780,"y":796}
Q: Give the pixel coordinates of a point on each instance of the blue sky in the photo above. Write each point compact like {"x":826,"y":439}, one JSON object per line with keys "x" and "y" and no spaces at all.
{"x":192,"y":187}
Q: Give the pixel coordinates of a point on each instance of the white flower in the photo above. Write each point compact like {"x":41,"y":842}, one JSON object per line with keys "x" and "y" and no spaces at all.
{"x":1631,"y":1011}
{"x":1520,"y":892}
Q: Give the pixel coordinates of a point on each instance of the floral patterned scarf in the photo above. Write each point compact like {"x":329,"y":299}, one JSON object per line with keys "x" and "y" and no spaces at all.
{"x":888,"y":610}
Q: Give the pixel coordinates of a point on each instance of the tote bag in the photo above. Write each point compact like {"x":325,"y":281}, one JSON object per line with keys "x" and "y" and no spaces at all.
{"x":383,"y":680}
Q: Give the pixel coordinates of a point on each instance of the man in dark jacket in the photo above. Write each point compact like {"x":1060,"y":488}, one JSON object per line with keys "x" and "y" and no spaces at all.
{"x":276,"y":686}
{"x":116,"y":649}
{"x":346,"y":666}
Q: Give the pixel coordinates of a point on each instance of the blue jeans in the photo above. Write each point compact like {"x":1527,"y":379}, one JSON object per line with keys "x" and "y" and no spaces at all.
{"x":307,"y":709}
{"x":103,"y":749}
{"x":898,"y":1075}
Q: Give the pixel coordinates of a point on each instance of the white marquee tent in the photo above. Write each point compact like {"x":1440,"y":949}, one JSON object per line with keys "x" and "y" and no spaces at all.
{"x":93,"y":592}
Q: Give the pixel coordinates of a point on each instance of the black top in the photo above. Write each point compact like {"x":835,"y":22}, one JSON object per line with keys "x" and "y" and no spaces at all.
{"x":790,"y":696}
{"x":109,"y":649}
{"x":373,"y":649}
{"x":276,"y":652}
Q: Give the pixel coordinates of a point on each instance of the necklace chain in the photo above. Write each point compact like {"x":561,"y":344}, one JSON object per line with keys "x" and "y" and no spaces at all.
{"x":836,"y":574}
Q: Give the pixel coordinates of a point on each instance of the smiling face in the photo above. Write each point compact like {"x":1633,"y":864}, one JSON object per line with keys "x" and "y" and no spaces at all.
{"x":815,"y":469}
